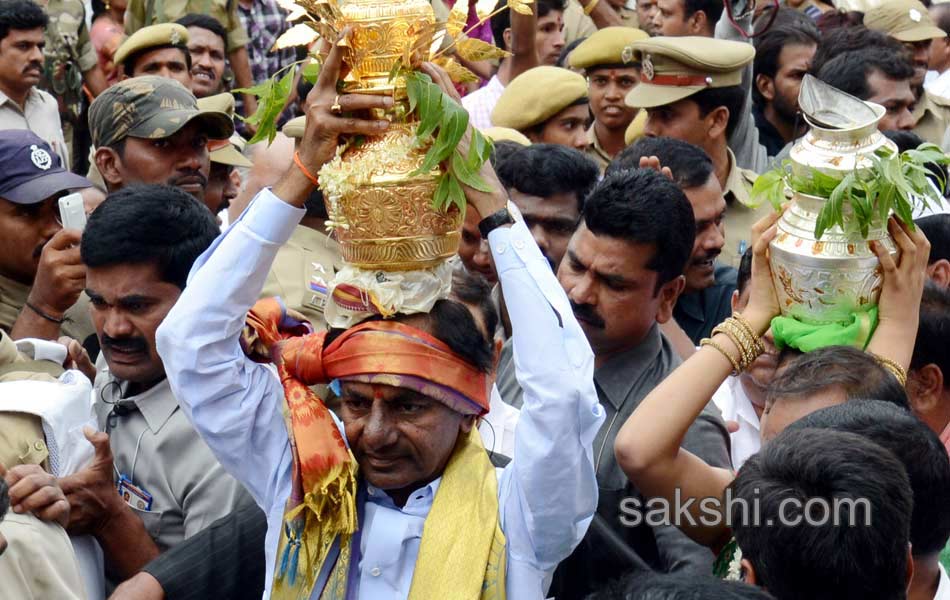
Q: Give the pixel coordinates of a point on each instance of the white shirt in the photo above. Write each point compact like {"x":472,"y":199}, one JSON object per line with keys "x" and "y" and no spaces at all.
{"x":40,"y":115}
{"x":546,"y":495}
{"x":943,"y":588}
{"x":497,"y":428}
{"x":736,"y":406}
{"x":482,"y":101}
{"x":938,"y":84}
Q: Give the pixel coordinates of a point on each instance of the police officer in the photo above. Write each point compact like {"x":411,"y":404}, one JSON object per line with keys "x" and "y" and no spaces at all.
{"x":70,"y":61}
{"x":611,"y":74}
{"x":691,"y":90}
{"x":224,"y":181}
{"x":548,"y":105}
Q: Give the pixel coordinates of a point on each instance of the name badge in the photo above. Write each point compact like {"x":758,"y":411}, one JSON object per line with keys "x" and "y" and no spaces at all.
{"x":133,"y":495}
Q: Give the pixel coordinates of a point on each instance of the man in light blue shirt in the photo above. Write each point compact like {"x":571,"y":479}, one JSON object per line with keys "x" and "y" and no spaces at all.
{"x":546,"y":495}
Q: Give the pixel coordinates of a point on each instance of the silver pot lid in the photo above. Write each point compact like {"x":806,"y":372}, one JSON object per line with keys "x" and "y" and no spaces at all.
{"x":827,"y":107}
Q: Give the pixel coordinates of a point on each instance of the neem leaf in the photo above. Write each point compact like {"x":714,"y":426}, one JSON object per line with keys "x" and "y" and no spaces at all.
{"x":311,"y":72}
{"x":460,"y":167}
{"x":269,"y":108}
{"x":769,"y":186}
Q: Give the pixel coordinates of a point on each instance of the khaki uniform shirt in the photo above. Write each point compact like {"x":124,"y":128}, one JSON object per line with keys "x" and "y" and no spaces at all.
{"x":39,"y":115}
{"x":595,"y":151}
{"x":159,"y":451}
{"x":577,"y":25}
{"x":301,"y":271}
{"x":13,"y":295}
{"x":39,"y":563}
{"x":931,"y":115}
{"x":739,"y":217}
{"x":140,"y":13}
{"x":69,"y":53}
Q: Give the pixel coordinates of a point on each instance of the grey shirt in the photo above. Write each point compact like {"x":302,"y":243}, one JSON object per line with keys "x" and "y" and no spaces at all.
{"x":621,"y":384}
{"x":156,"y":447}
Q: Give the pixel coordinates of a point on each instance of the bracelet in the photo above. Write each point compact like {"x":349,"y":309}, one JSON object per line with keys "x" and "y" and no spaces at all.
{"x":590,"y":7}
{"x":710,"y":342}
{"x":895,"y":369}
{"x":741,"y":334}
{"x":50,"y":318}
{"x":304,"y":170}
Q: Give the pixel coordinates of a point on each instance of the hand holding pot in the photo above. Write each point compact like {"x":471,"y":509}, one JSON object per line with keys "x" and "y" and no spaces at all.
{"x":899,"y":305}
{"x":763,"y":304}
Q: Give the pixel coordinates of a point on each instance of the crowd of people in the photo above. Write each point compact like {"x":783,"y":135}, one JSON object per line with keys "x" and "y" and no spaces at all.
{"x":597,"y":410}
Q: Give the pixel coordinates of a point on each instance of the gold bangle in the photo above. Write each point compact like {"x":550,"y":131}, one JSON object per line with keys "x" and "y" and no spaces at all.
{"x":590,"y":7}
{"x":738,"y":318}
{"x":895,"y":369}
{"x":737,"y":341}
{"x":732,"y":361}
{"x":750,"y":346}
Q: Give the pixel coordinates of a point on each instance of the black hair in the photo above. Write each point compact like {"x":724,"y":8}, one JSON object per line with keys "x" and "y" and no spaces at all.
{"x":502,"y":19}
{"x":676,"y":586}
{"x":21,"y":15}
{"x":544,"y":170}
{"x":502,"y":149}
{"x":855,"y":372}
{"x":941,"y":17}
{"x":712,"y":9}
{"x":769,"y":45}
{"x":839,"y":19}
{"x":859,"y":551}
{"x":642,"y":206}
{"x":849,"y":71}
{"x":937,"y":230}
{"x":933,"y":331}
{"x":917,"y":447}
{"x":205,"y":22}
{"x":732,"y":97}
{"x":4,"y":498}
{"x":745,"y":270}
{"x":566,"y":52}
{"x":846,"y":39}
{"x":149,"y":223}
{"x":690,"y":164}
{"x":128,"y":65}
{"x":474,"y":290}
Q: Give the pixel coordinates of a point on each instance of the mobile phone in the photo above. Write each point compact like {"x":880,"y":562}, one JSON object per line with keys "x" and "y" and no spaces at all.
{"x":72,"y":212}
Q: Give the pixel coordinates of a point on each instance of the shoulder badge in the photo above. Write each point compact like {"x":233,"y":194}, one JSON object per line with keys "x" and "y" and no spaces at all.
{"x":646,"y":67}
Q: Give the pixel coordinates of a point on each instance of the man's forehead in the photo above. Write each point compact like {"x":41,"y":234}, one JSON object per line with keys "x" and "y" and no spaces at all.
{"x":160,"y":55}
{"x":613,"y":72}
{"x":199,"y":37}
{"x":610,"y":256}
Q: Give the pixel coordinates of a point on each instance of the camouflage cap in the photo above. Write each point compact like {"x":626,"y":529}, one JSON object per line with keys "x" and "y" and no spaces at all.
{"x":163,"y":34}
{"x":151,"y":108}
{"x":903,"y":20}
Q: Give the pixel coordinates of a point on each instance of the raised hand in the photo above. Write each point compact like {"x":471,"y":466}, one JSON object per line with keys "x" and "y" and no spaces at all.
{"x":92,"y":495}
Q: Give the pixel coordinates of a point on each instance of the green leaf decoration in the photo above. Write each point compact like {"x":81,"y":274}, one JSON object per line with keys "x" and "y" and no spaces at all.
{"x":271,"y":98}
{"x":896,"y":183}
{"x":311,"y":72}
{"x":442,"y":126}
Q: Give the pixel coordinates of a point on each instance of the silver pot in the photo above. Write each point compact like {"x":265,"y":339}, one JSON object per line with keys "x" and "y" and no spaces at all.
{"x":824,"y":280}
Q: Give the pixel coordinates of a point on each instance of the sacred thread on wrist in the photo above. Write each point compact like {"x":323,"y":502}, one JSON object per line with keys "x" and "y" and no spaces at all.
{"x":304,"y":169}
{"x":48,"y":317}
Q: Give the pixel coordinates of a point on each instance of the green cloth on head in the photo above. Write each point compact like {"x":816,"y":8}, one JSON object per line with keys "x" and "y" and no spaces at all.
{"x":792,"y":333}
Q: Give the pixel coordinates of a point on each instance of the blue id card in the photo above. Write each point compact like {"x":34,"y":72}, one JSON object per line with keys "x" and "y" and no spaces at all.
{"x":133,"y":495}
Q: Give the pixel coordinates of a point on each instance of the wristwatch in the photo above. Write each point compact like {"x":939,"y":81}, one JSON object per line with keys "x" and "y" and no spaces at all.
{"x":505,"y":216}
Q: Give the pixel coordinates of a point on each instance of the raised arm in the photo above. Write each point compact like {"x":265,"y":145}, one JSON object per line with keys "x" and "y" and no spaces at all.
{"x":235,"y":404}
{"x":648,"y":446}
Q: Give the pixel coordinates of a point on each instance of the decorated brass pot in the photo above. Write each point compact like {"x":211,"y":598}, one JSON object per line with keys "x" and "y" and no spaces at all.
{"x":381,"y":210}
{"x":825,"y":280}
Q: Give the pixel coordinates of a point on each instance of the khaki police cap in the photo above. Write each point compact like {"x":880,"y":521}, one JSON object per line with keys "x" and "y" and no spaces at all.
{"x":608,"y":46}
{"x":163,"y":34}
{"x":903,"y":20}
{"x":537,"y":95}
{"x":225,"y":152}
{"x":673,"y":68}
{"x":150,"y":107}
{"x":294,"y":127}
{"x":506,"y":134}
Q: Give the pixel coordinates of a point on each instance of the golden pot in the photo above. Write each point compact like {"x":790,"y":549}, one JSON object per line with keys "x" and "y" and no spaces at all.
{"x":382,"y":213}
